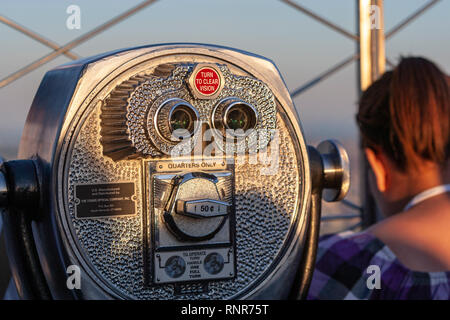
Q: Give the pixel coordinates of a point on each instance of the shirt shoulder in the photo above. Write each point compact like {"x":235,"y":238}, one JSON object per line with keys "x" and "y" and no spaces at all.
{"x":347,"y":265}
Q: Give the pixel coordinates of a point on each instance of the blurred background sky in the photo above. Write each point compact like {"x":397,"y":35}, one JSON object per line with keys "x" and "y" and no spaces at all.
{"x":301,"y":47}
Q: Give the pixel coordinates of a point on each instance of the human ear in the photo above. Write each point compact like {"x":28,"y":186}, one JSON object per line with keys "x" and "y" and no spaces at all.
{"x":379,"y":168}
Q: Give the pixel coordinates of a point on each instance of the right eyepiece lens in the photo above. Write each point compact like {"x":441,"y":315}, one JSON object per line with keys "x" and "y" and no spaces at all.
{"x":237,"y":119}
{"x":240,"y":116}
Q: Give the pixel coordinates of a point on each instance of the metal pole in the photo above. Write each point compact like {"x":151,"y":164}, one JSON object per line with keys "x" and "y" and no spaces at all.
{"x":371,"y":65}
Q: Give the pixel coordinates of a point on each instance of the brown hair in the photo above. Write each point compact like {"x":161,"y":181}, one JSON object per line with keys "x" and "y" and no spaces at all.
{"x":407,"y":114}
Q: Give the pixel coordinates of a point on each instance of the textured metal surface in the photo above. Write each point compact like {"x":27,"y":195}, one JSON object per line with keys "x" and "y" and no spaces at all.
{"x":68,"y":110}
{"x":114,"y":246}
{"x":138,"y":100}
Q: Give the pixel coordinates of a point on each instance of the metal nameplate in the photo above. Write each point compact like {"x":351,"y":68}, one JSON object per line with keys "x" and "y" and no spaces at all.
{"x":105,"y":200}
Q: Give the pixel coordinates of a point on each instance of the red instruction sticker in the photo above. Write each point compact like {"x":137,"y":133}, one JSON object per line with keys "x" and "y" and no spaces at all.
{"x":207,"y":81}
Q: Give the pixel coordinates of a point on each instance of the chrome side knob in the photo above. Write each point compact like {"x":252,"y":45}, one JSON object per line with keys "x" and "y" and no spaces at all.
{"x":336,"y":170}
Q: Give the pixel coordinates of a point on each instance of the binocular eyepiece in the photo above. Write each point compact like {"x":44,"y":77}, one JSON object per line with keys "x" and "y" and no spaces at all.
{"x":166,"y":172}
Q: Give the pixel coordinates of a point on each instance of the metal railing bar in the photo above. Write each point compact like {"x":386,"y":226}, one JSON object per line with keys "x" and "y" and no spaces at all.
{"x":321,"y":20}
{"x":340,"y":217}
{"x":35,"y":36}
{"x":390,"y":63}
{"x":351,"y":205}
{"x":324,"y":75}
{"x":16,"y":75}
{"x":409,"y":19}
{"x":353,"y":227}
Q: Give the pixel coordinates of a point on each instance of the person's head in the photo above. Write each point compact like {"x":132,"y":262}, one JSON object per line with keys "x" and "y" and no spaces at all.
{"x":404,"y":121}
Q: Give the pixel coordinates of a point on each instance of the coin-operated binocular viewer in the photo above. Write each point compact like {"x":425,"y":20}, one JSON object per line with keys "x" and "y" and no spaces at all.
{"x":166,"y":172}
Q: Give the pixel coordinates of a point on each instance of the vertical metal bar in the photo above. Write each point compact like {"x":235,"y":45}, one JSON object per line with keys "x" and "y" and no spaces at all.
{"x":364,"y":75}
{"x":371,"y":65}
{"x":379,"y":51}
{"x":365,"y":35}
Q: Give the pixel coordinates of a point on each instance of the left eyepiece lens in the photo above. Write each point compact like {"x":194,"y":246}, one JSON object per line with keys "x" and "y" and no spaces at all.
{"x":182,"y":117}
{"x":176,"y":120}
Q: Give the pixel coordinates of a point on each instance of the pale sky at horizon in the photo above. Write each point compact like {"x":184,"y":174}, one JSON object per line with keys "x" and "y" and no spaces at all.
{"x":301,"y":47}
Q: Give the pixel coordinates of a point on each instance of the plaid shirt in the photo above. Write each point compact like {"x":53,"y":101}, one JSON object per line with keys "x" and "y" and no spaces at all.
{"x":342,"y":272}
